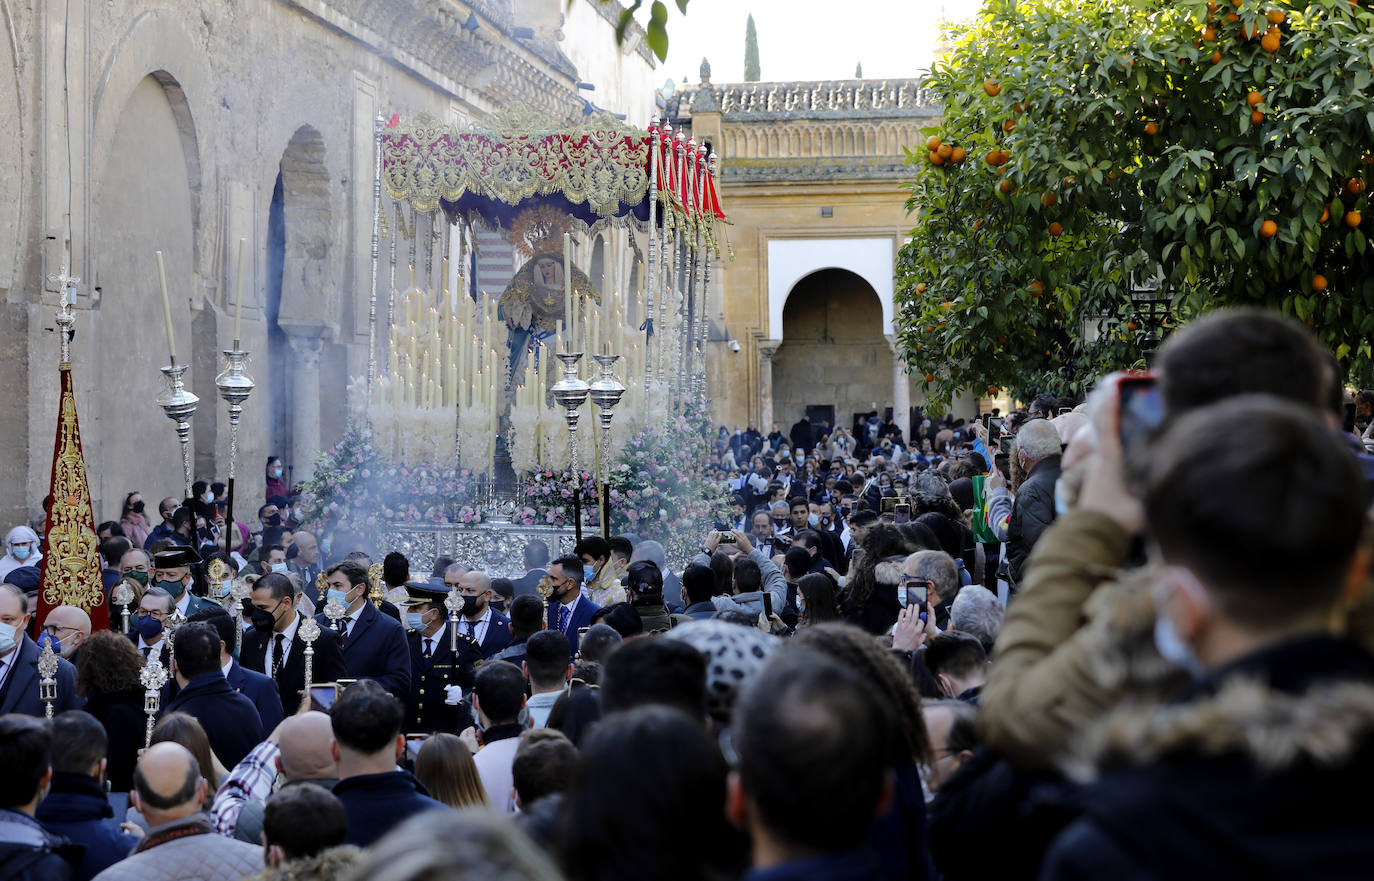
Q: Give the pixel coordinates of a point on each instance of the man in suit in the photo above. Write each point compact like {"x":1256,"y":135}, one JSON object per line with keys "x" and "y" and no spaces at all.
{"x":568,"y":608}
{"x":172,"y":573}
{"x":306,"y":563}
{"x":272,"y":646}
{"x":149,"y":635}
{"x":374,"y":645}
{"x":19,"y":662}
{"x":478,"y":620}
{"x":437,"y":673}
{"x":259,"y":689}
{"x":536,"y":568}
{"x":230,"y":720}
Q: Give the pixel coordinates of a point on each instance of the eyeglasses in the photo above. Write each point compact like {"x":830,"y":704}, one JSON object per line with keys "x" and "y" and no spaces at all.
{"x":52,"y":629}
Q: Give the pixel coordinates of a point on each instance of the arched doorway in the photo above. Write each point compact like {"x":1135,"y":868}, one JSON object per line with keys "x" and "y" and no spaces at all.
{"x":144,"y":202}
{"x":833,"y":361}
{"x":298,"y":299}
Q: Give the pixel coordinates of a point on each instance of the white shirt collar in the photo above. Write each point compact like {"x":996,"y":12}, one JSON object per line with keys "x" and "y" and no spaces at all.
{"x":289,"y":633}
{"x":356,"y":613}
{"x":572,"y":605}
{"x":145,"y":645}
{"x":183,"y":601}
{"x":226,"y":668}
{"x":438,"y":634}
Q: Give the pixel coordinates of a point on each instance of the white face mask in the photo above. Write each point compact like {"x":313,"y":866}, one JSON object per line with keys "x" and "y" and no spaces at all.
{"x":208,"y":498}
{"x":279,"y":568}
{"x":9,"y":637}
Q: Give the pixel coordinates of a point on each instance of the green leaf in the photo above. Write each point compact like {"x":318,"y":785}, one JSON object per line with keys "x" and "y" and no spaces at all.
{"x":656,"y":32}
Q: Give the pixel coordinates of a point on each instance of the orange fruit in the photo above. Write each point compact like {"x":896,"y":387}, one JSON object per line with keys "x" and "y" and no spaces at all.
{"x":1004,"y":187}
{"x":1268,"y":229}
{"x":1048,"y":200}
{"x":1318,"y":282}
{"x":957,"y":154}
{"x":1254,"y":98}
{"x":1019,"y":107}
{"x":1326,"y":214}
{"x":1236,"y":3}
{"x":1256,"y":117}
{"x":992,"y":87}
{"x":921,"y":288}
{"x":1249,"y":30}
{"x":1132,"y":326}
{"x":1354,"y":186}
{"x":933,"y":143}
{"x":1009,"y":125}
{"x":1056,"y":229}
{"x":944,"y":150}
{"x":1270,"y":43}
{"x":1275,"y":16}
{"x":1151,"y":128}
{"x":1036,"y":288}
{"x":991,"y":158}
{"x":1216,"y":57}
{"x":977,"y":225}
{"x":930,"y":377}
{"x":936,"y":159}
{"x":1209,"y":34}
{"x":992,"y":390}
{"x":1353,"y":219}
{"x":1232,"y":17}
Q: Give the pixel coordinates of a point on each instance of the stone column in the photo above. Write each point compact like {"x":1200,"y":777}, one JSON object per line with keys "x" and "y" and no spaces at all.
{"x":766,"y":349}
{"x":304,"y":381}
{"x":901,"y":389}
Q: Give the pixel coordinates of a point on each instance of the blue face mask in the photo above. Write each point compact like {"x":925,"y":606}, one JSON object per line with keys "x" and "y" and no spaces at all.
{"x":279,"y":568}
{"x":21,"y":552}
{"x":150,"y":629}
{"x":331,"y":595}
{"x":223,"y":588}
{"x":588,"y":573}
{"x":414,"y":620}
{"x":813,"y":520}
{"x":175,"y":588}
{"x":9,"y":636}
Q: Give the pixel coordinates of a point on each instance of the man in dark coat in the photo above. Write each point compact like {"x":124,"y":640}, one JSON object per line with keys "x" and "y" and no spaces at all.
{"x":19,"y":677}
{"x":28,"y":850}
{"x":568,"y":608}
{"x":478,"y":620}
{"x":230,"y":720}
{"x":368,"y":744}
{"x":1247,"y":771}
{"x":76,"y":806}
{"x":273,"y":648}
{"x":1038,"y":450}
{"x":536,"y":568}
{"x":374,"y":645}
{"x":259,"y":689}
{"x":802,"y":436}
{"x":437,"y":672}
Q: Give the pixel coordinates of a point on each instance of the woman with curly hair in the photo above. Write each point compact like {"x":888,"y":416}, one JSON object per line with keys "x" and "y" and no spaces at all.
{"x":899,"y":836}
{"x":869,"y":601}
{"x":107,"y":669}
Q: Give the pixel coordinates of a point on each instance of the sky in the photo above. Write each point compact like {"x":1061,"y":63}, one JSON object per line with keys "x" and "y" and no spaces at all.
{"x":808,"y":39}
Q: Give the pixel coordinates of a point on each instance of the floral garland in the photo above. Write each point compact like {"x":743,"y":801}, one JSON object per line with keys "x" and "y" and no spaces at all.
{"x":546,"y":499}
{"x":356,"y":487}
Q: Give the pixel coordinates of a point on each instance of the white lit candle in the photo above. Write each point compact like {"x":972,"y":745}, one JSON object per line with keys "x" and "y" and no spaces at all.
{"x":166,"y":309}
{"x":238,"y":299}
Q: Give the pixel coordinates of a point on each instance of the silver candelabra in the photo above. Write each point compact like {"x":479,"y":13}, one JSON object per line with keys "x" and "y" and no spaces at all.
{"x":179,"y":405}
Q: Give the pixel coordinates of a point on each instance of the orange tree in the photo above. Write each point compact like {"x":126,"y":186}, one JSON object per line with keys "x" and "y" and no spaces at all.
{"x":1217,"y":152}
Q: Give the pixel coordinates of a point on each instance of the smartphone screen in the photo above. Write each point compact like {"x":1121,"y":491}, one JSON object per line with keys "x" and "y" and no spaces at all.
{"x":915,"y":594}
{"x":323,"y":695}
{"x":994,"y":431}
{"x":413,"y":744}
{"x":1141,"y":409}
{"x":767,"y":604}
{"x":901,"y":513}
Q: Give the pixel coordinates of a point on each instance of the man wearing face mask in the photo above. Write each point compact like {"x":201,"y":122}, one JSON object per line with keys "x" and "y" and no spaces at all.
{"x":66,"y":627}
{"x":271,"y":558}
{"x":272,"y":646}
{"x":21,"y":549}
{"x":568,"y":609}
{"x":479,"y":621}
{"x":374,"y":645}
{"x":166,"y":508}
{"x":438,"y":675}
{"x":149,"y":633}
{"x":600,"y":577}
{"x":19,"y":662}
{"x":172,"y":573}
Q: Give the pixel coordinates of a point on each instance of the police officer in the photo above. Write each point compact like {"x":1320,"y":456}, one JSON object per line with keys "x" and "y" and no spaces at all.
{"x":438,"y":675}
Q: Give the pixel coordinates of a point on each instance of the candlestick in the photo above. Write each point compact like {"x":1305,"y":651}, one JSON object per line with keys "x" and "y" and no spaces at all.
{"x":152,"y":678}
{"x":238,"y":299}
{"x":179,"y":405}
{"x":47,"y":685}
{"x":568,"y":286}
{"x":166,"y":310}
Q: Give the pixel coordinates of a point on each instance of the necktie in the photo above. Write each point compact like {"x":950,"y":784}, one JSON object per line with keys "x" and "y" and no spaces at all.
{"x":429,"y":647}
{"x":276,"y":656}
{"x":563,"y":618}
{"x":146,"y":652}
{"x":343,"y":631}
{"x":472,"y":627}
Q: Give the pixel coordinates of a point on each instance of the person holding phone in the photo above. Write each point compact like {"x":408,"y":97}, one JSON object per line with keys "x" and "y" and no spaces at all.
{"x":1038,"y":452}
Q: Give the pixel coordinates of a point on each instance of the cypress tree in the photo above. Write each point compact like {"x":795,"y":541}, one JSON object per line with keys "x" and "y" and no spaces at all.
{"x":751,"y":52}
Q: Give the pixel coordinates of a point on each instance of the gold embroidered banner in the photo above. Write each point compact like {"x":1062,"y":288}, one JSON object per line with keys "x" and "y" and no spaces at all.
{"x":71,"y":560}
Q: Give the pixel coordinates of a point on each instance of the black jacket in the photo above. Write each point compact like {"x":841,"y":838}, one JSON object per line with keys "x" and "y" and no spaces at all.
{"x":262,"y":691}
{"x":20,"y":691}
{"x":376,"y":649}
{"x":1031,"y":512}
{"x":230,"y":720}
{"x":376,"y":803}
{"x":1253,"y":772}
{"x":29,"y":852}
{"x":76,"y":808}
{"x":427,"y":709}
{"x":125,"y":726}
{"x":527,"y":584}
{"x":327,"y":666}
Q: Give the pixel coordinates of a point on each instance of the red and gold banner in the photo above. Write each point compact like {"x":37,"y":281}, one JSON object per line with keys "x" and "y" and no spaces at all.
{"x":71,"y":558}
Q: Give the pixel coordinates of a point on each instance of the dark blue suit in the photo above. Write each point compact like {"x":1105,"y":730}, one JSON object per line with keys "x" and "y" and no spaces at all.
{"x":581,"y":617}
{"x":376,"y":649}
{"x":20,"y":691}
{"x":230,"y":720}
{"x":376,"y":803}
{"x":262,"y":691}
{"x":528,"y":583}
{"x":498,"y":634}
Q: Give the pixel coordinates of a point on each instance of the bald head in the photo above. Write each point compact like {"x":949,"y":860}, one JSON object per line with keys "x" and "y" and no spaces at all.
{"x":70,"y":625}
{"x":167,"y":783}
{"x":307,"y":548}
{"x":304,"y":742}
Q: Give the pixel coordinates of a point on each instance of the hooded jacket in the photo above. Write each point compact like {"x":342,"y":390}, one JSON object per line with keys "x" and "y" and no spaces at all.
{"x":1247,"y":773}
{"x":324,"y":866}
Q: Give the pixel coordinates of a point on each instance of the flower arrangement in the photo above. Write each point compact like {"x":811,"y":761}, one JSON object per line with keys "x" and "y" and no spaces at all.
{"x":356,"y":487}
{"x":547,"y":499}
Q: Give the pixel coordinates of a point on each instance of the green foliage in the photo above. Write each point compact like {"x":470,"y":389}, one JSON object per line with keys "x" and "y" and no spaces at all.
{"x":656,"y":31}
{"x":1180,"y":205}
{"x":751,"y":52}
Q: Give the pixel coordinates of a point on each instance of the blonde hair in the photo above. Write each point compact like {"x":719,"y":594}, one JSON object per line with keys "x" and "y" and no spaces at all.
{"x":445,"y":767}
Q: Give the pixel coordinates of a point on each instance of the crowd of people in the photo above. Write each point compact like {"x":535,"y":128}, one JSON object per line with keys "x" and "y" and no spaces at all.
{"x":1117,"y":640}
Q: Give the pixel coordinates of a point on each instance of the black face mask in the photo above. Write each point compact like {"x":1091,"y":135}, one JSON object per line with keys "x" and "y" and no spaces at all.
{"x":136,"y":507}
{"x":274,"y":520}
{"x":470,"y":605}
{"x":263,"y":620}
